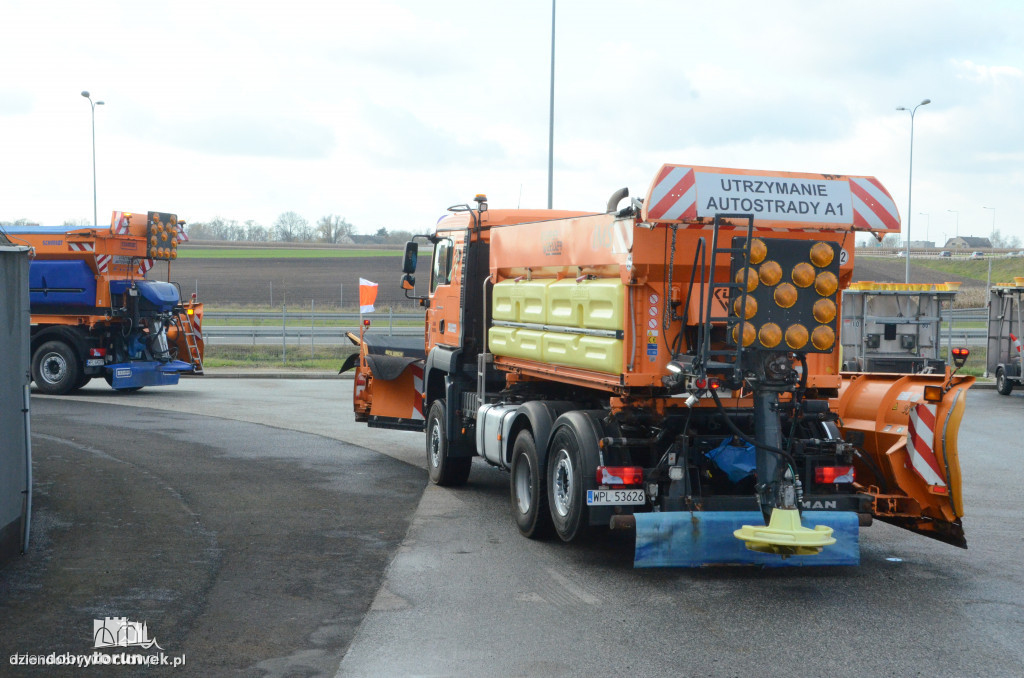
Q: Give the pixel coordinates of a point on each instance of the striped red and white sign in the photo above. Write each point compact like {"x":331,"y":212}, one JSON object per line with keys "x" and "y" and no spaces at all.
{"x":103,"y":262}
{"x":182,"y":236}
{"x":119,"y":223}
{"x":921,"y":444}
{"x":684,"y":194}
{"x":674,"y":195}
{"x":1016,"y":342}
{"x":81,"y":247}
{"x":145,"y":265}
{"x":417,"y":380}
{"x":873,"y":207}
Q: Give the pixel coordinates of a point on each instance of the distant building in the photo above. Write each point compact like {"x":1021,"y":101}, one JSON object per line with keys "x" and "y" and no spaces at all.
{"x":967,"y":242}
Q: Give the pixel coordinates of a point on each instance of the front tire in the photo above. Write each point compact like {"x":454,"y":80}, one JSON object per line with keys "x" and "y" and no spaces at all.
{"x":55,"y":368}
{"x":444,"y":469}
{"x":527,"y":489}
{"x":1003,"y":385}
{"x":565,"y":485}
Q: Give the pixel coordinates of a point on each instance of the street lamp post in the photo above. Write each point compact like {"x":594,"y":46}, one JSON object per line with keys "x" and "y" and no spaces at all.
{"x":551,"y":112}
{"x":93,"y":105}
{"x":910,"y":181}
{"x":993,"y":235}
{"x":956,"y":233}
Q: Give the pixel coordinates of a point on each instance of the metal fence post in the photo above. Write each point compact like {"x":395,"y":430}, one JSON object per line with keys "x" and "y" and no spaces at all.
{"x":284,"y":333}
{"x":312,"y":324}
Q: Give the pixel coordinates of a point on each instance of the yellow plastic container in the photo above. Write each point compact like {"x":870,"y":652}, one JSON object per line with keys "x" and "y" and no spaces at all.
{"x":522,"y":302}
{"x":601,"y":354}
{"x":952,"y":285}
{"x":1018,"y":280}
{"x":593,"y":304}
{"x":515,"y":343}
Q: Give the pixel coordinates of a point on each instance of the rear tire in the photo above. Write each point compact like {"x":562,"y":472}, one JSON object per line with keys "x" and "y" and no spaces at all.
{"x":55,"y":368}
{"x":565,"y":485}
{"x":445,"y":470}
{"x":527,"y":489}
{"x":1003,"y":385}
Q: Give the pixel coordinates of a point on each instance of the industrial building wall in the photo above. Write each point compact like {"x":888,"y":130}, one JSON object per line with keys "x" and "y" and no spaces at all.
{"x":14,"y":422}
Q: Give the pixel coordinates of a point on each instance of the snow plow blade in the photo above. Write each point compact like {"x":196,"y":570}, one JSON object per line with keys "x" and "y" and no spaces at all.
{"x":911,"y":466}
{"x":705,"y":538}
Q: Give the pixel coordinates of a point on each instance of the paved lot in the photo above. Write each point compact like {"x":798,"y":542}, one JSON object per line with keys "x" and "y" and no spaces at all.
{"x":230,"y":567}
{"x":253,"y":550}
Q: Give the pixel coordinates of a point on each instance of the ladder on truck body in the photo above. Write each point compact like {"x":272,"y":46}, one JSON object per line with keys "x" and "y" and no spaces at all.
{"x":190,"y":332}
{"x":725,"y":359}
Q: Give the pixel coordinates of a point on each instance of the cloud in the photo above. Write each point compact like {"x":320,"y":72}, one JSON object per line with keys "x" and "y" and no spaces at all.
{"x":239,"y":133}
{"x":15,"y":102}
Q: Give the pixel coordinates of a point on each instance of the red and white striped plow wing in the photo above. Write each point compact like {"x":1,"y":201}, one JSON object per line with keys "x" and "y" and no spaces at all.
{"x":921,"y":445}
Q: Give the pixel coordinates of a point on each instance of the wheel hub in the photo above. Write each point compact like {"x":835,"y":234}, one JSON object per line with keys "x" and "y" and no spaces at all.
{"x":523,"y":481}
{"x":54,"y":368}
{"x":435,"y":447}
{"x":563,"y":484}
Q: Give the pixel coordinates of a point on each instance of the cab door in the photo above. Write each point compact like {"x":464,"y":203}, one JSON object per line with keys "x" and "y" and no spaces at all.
{"x":444,"y":314}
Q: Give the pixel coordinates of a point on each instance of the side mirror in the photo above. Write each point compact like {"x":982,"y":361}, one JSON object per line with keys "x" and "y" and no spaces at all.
{"x":409,"y":259}
{"x":409,"y":281}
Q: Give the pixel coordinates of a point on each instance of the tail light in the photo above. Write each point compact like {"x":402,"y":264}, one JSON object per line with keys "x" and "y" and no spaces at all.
{"x":620,"y":475}
{"x":97,"y":352}
{"x":828,"y":475}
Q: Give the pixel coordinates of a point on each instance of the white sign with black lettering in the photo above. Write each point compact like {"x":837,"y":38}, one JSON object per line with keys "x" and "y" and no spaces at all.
{"x":776,"y":198}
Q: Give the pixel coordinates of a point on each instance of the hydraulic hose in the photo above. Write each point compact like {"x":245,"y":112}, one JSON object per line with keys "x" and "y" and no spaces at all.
{"x":787,"y":457}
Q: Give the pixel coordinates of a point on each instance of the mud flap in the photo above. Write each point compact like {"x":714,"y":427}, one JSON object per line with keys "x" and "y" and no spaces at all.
{"x":703,"y":538}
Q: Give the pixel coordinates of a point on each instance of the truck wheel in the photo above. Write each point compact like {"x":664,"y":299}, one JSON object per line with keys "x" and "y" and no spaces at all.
{"x":1003,"y":385}
{"x":55,"y":368}
{"x":445,"y":470}
{"x":565,"y":485}
{"x":529,"y":495}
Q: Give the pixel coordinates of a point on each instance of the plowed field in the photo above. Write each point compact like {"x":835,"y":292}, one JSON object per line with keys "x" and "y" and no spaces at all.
{"x":295,"y":282}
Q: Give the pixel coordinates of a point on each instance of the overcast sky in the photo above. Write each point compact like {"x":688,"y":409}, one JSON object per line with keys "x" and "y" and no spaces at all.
{"x":386,"y":113}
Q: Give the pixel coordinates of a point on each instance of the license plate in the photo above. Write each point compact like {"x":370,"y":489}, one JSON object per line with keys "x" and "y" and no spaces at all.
{"x":615,"y":497}
{"x":94,"y":362}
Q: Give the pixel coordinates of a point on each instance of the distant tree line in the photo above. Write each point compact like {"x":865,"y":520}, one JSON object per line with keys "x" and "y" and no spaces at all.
{"x":288,"y":227}
{"x":292,"y":227}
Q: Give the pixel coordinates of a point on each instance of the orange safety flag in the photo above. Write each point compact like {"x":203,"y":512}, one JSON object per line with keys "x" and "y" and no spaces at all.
{"x":367,"y":295}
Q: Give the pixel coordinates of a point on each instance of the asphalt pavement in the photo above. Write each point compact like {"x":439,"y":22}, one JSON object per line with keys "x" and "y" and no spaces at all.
{"x":260,"y":531}
{"x":248,"y":549}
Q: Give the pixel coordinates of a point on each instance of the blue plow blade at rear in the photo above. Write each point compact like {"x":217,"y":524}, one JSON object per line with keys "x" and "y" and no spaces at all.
{"x":142,"y":373}
{"x":702,"y":538}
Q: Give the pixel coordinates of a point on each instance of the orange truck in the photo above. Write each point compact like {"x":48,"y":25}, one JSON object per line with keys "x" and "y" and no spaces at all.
{"x":671,"y":366}
{"x":94,"y":312}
